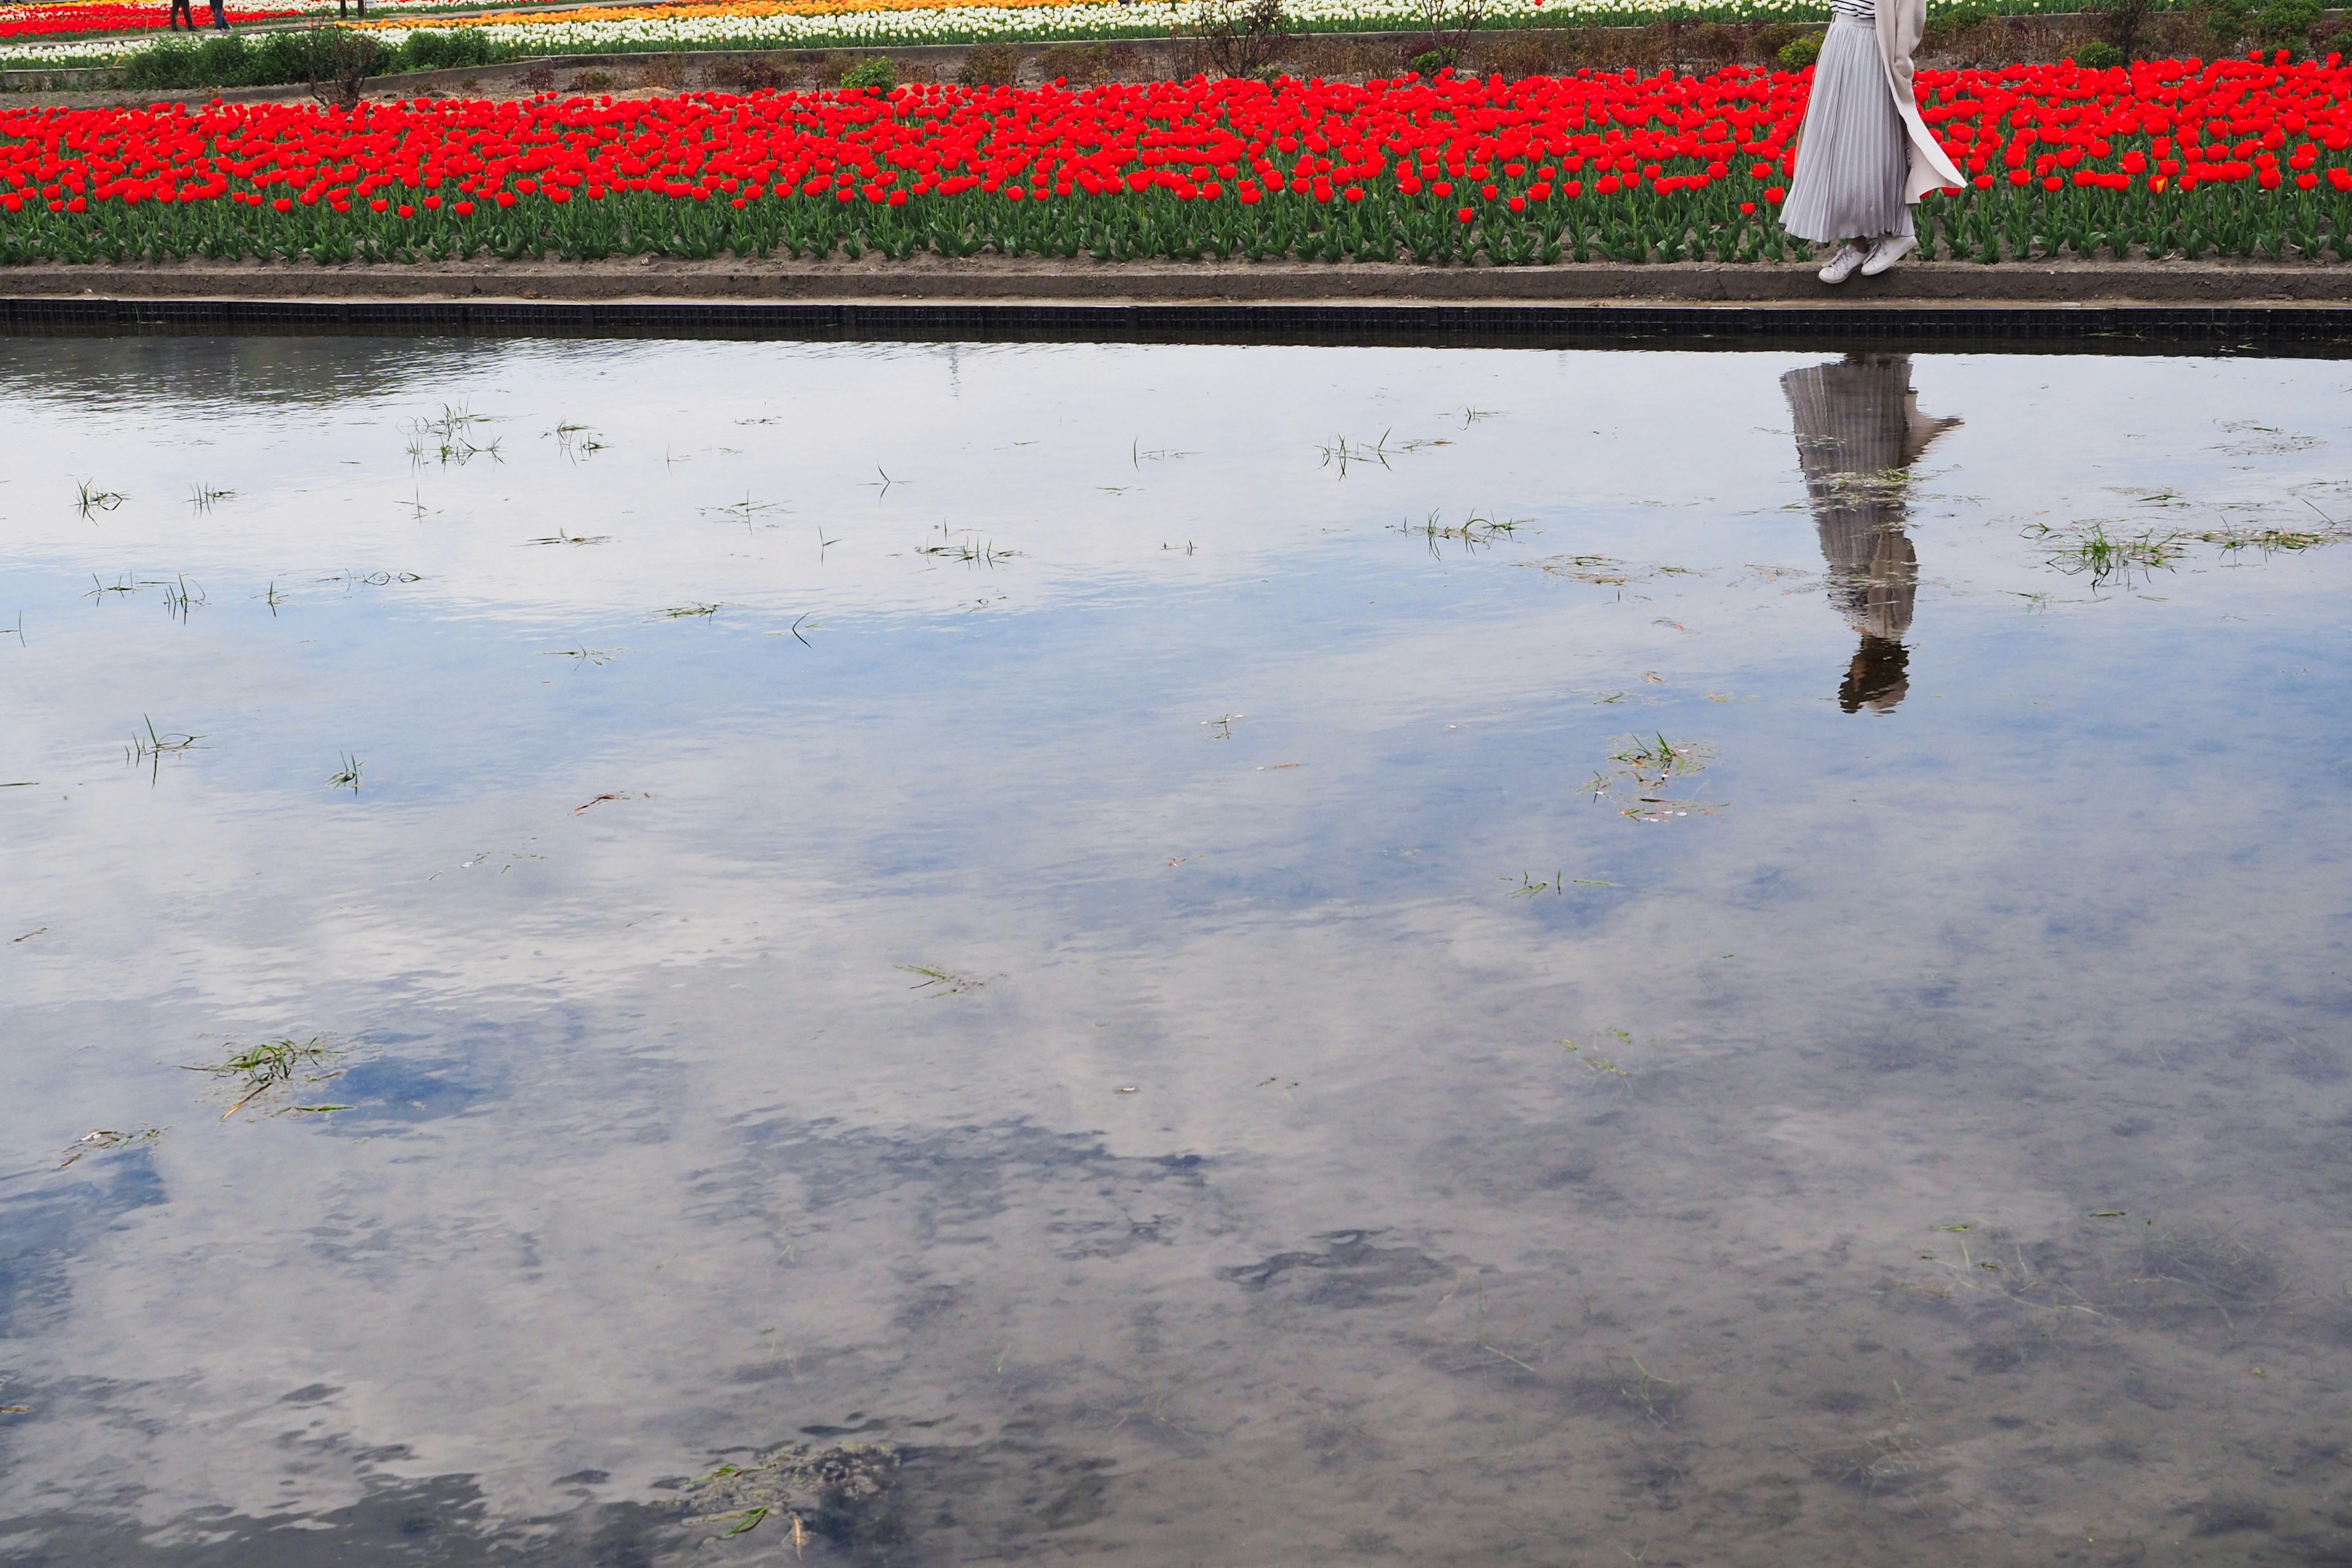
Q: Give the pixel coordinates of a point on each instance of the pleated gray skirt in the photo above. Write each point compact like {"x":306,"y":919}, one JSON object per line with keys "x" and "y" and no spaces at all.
{"x":1855,"y":155}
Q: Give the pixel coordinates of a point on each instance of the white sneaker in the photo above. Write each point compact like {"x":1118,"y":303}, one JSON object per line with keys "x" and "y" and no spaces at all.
{"x":1841,"y":266}
{"x":1887,"y":252}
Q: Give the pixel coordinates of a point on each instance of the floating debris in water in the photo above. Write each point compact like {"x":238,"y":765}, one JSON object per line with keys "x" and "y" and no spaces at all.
{"x":609,"y":794}
{"x":948,"y":982}
{"x":837,"y":1491}
{"x":99,"y":1139}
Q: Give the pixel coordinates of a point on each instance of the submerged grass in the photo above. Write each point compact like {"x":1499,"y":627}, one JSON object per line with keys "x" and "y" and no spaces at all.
{"x":448,"y":437}
{"x":1473,"y":532}
{"x":575,"y":441}
{"x":355,"y":580}
{"x":1606,"y":572}
{"x":258,"y":1072}
{"x":154,"y":745}
{"x":2106,"y":557}
{"x":91,"y":498}
{"x":1644,"y":768}
{"x":180,"y":597}
{"x":838,"y":1492}
{"x":983,"y":554}
{"x":2114,"y":554}
{"x":947,"y":981}
{"x":1342,"y":452}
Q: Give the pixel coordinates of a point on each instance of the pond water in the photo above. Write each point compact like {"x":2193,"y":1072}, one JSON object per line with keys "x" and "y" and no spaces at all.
{"x":1171,"y":955}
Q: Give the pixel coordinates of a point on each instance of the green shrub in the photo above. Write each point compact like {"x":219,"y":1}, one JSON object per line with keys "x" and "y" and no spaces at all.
{"x":1799,"y":53}
{"x":223,"y":61}
{"x":449,"y":50}
{"x":338,"y":60}
{"x":165,"y":66}
{"x":2285,"y":24}
{"x":2098,"y":56}
{"x":2224,"y":21}
{"x":875,"y":71}
{"x":2126,"y":20}
{"x":279,"y":57}
{"x":1946,"y":23}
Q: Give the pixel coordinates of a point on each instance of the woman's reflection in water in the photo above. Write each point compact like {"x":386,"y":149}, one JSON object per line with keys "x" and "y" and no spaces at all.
{"x":1859,"y":431}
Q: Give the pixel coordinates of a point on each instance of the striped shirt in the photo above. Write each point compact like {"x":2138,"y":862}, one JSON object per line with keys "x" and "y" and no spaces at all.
{"x":1860,"y":10}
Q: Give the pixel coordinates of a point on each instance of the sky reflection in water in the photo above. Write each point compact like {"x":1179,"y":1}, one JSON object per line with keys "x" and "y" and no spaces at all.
{"x":1208,"y":997}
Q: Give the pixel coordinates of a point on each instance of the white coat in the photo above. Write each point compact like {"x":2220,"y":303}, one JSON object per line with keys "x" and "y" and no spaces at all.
{"x":1900,"y":25}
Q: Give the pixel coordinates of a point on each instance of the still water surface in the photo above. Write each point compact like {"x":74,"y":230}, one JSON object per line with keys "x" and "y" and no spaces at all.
{"x":1171,"y":955}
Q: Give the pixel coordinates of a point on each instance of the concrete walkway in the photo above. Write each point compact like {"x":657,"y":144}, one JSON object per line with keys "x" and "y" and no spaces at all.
{"x":937,"y":280}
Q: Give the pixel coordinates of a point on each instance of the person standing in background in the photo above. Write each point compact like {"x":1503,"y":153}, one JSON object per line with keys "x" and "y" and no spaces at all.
{"x":1863,"y":155}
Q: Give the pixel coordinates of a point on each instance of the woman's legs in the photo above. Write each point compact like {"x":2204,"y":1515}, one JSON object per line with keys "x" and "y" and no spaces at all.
{"x":1847,"y":192}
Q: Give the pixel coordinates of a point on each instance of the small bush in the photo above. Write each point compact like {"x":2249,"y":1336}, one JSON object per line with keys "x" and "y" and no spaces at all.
{"x":1429,"y":62}
{"x":337,"y":61}
{"x":1240,"y":37}
{"x":1074,"y":62}
{"x":2096,"y":56}
{"x":876,"y":71}
{"x":448,"y":50}
{"x":2125,"y":21}
{"x":279,"y":57}
{"x":223,"y":61}
{"x":2225,"y":23}
{"x":753,"y":75}
{"x":1714,"y":43}
{"x":164,"y":68}
{"x":1524,"y":54}
{"x":2285,"y":24}
{"x":1799,"y":53}
{"x":1948,"y":23}
{"x":990,"y":65}
{"x":334,"y":59}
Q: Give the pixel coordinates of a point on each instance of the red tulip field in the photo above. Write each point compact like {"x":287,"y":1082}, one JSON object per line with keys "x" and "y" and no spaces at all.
{"x":94,"y":17}
{"x":2238,"y":157}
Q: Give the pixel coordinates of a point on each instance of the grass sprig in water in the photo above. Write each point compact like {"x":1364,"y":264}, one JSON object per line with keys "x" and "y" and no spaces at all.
{"x":255,"y":1073}
{"x":1473,"y":532}
{"x":154,"y":746}
{"x":1646,"y":767}
{"x":93,"y":499}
